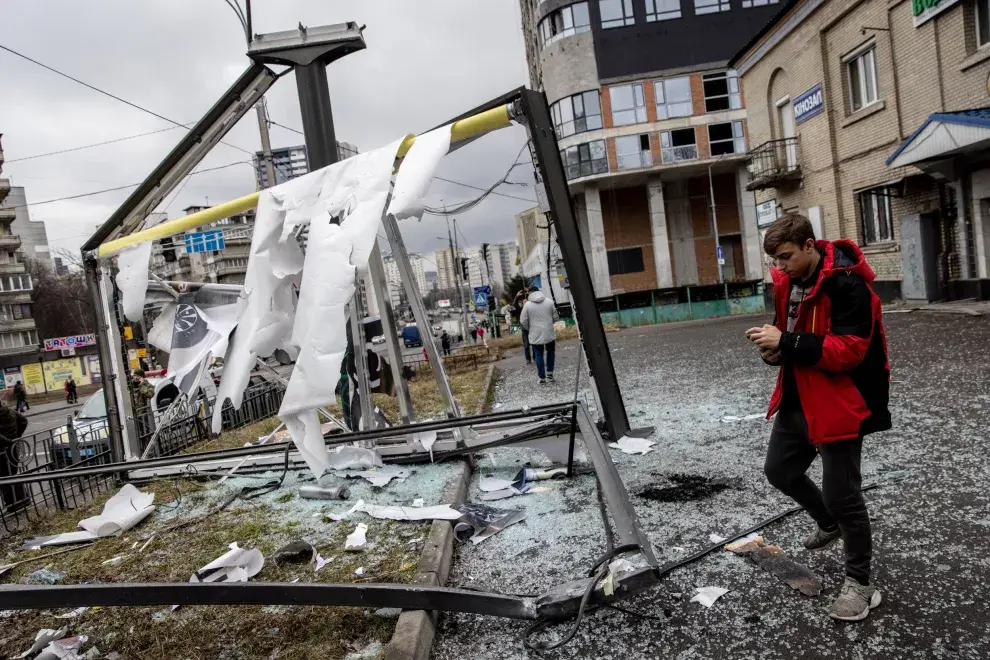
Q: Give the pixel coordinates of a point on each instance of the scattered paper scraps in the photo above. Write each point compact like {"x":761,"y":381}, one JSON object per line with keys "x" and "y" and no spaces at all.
{"x":120,"y":513}
{"x":630,"y":445}
{"x":235,"y":565}
{"x":708,"y":595}
{"x":378,"y":478}
{"x":357,"y":540}
{"x":715,"y":538}
{"x":391,"y":512}
{"x":44,"y":637}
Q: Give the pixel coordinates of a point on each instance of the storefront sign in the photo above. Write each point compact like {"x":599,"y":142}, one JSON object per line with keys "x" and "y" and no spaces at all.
{"x":93,"y":362}
{"x":766,"y":213}
{"x":925,"y":10}
{"x":12,"y":376}
{"x":58,"y":343}
{"x":34,"y":380}
{"x":58,"y":371}
{"x":809,"y":104}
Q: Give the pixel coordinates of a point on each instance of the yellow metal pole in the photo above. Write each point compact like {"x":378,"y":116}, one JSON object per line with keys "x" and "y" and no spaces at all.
{"x":464,"y":129}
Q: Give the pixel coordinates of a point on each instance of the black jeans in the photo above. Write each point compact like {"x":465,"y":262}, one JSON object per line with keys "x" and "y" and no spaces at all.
{"x":840,"y":501}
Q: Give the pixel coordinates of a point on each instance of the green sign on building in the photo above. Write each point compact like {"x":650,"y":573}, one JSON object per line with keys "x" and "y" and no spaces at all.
{"x":925,"y":10}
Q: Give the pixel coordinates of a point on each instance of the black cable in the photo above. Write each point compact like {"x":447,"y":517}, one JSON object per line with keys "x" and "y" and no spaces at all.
{"x":88,"y":146}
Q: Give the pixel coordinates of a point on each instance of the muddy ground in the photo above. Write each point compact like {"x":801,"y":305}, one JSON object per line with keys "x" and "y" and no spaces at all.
{"x":931,"y":519}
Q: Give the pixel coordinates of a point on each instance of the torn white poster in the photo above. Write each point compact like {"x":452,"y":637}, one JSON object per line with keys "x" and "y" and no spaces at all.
{"x":708,"y":595}
{"x":199,"y":332}
{"x":132,"y":279}
{"x":235,"y":565}
{"x":357,"y":539}
{"x":630,"y":445}
{"x":378,"y":478}
{"x":491,"y":484}
{"x":427,"y":439}
{"x":479,"y":522}
{"x":120,"y":513}
{"x":344,"y":458}
{"x":321,"y":562}
{"x":65,"y":649}
{"x":44,"y":637}
{"x":439,"y":512}
{"x":416,"y":172}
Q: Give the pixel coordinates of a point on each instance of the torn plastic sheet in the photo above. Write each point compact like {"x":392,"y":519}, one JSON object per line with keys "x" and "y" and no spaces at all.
{"x":479,"y":521}
{"x":438,"y":512}
{"x":775,"y":561}
{"x":708,"y":595}
{"x":344,"y":458}
{"x":358,"y":539}
{"x":199,"y":332}
{"x":416,"y":172}
{"x":44,"y":637}
{"x":235,"y":565}
{"x":630,"y":445}
{"x":132,"y":279}
{"x":64,"y":649}
{"x":427,"y":439}
{"x":120,"y":513}
{"x":379,"y":478}
{"x":160,"y":334}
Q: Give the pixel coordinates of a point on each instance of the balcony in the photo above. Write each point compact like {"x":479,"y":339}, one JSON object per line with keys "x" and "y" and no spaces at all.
{"x":12,"y":269}
{"x":226,"y":270}
{"x":679,"y":154}
{"x":7,"y":214}
{"x":4,"y":186}
{"x":15,"y":297}
{"x":13,"y":325}
{"x":10,"y":242}
{"x":19,"y":350}
{"x":773,"y":164}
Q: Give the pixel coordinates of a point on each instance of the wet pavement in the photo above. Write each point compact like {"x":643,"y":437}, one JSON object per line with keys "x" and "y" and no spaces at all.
{"x":931,"y":517}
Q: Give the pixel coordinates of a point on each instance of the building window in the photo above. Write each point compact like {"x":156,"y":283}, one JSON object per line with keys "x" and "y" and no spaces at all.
{"x":16,"y":283}
{"x":628,"y":104}
{"x":673,"y":97}
{"x":721,"y":91}
{"x":862,"y":73}
{"x":875,"y":217}
{"x":727,"y":138}
{"x":633,"y":151}
{"x":585,"y":159}
{"x":982,"y":23}
{"x":710,"y":6}
{"x":757,"y":3}
{"x":662,"y":10}
{"x":577,"y":114}
{"x":564,"y":22}
{"x":616,"y":13}
{"x":626,"y":260}
{"x":679,"y":145}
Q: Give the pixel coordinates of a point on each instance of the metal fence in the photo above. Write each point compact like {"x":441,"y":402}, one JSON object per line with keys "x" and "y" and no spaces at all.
{"x":77,"y":444}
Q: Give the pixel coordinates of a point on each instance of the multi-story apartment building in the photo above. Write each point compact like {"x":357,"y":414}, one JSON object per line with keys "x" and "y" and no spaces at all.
{"x":870,"y":118}
{"x":394,"y":280}
{"x":651,"y":125}
{"x":499,"y":267}
{"x":18,"y":334}
{"x":448,"y":268}
{"x":291,"y":162}
{"x":170,"y":260}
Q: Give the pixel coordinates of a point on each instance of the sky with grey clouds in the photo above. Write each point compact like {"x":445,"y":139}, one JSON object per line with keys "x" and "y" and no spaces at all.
{"x":426,"y":61}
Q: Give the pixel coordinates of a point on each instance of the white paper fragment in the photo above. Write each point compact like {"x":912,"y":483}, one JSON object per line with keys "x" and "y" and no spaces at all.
{"x":120,"y":513}
{"x":491,"y":484}
{"x":427,"y":439}
{"x":337,"y":517}
{"x":439,"y":512}
{"x":132,"y":279}
{"x":749,"y":538}
{"x":160,"y":334}
{"x":360,"y":571}
{"x":418,"y":502}
{"x":44,"y":637}
{"x":343,"y":458}
{"x":416,"y":172}
{"x":379,"y":478}
{"x":708,"y":595}
{"x":146,"y":543}
{"x":235,"y":565}
{"x":715,"y":538}
{"x":630,"y":445}
{"x":321,"y":562}
{"x":357,"y":539}
{"x":505,"y":493}
{"x":65,"y":649}
{"x":113,"y":561}
{"x":746,"y":418}
{"x":73,"y":614}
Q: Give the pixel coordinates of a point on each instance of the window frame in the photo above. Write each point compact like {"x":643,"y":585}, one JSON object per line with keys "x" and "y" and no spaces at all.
{"x":668,"y":135}
{"x":547,"y":36}
{"x":872,"y":212}
{"x":663,"y":108}
{"x":645,"y":156}
{"x":556,"y":113}
{"x":590,"y":161}
{"x":748,"y":4}
{"x":981,"y":16}
{"x":711,"y":7}
{"x":857,"y":60}
{"x":638,"y":111}
{"x":738,"y":139}
{"x":617,"y":253}
{"x":733,"y":98}
{"x":627,"y":18}
{"x":654,"y":14}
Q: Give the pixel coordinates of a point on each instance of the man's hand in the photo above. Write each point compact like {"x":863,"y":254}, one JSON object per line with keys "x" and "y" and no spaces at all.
{"x":771,"y":357}
{"x":767,"y":337}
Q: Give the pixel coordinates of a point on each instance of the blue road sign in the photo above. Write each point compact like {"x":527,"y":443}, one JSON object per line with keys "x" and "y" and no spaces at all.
{"x":205,"y":241}
{"x":480,"y":299}
{"x":487,"y":290}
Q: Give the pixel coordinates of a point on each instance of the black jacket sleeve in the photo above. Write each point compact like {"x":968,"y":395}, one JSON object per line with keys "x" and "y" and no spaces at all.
{"x":851,"y":318}
{"x":765,"y":361}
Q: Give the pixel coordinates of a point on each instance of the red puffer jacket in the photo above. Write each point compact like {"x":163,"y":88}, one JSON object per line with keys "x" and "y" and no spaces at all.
{"x":838,"y":349}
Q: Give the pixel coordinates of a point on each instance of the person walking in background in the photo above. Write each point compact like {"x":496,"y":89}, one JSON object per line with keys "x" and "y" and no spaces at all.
{"x":71,"y":395}
{"x":474,"y":335}
{"x":20,"y":397}
{"x":445,"y":343}
{"x":832,"y":389}
{"x":537,"y":317}
{"x":481,"y":336}
{"x":517,"y":306}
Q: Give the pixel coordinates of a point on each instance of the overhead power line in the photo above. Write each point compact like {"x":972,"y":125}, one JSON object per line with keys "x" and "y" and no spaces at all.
{"x":90,"y":146}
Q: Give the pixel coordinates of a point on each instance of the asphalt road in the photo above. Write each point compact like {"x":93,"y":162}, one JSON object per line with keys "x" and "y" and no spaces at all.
{"x":930,"y":518}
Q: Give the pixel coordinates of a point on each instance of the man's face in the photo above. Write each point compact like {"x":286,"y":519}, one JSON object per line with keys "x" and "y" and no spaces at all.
{"x":793,"y":259}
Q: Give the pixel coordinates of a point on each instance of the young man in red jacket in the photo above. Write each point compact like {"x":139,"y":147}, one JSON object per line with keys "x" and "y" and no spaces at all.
{"x":832,"y":389}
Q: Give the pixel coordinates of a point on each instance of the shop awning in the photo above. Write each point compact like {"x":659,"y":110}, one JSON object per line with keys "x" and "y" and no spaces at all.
{"x":945,"y":134}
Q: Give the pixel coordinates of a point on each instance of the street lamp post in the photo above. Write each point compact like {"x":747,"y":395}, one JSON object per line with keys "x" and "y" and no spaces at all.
{"x":719,"y":255}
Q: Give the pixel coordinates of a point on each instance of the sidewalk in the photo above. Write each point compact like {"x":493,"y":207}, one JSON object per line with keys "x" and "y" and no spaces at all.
{"x":42,"y":408}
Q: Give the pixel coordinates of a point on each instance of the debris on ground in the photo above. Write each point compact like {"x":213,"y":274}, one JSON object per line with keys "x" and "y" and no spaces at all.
{"x":324,"y":492}
{"x":321,"y":562}
{"x":296,"y":552}
{"x":379,"y":478}
{"x":120,"y":513}
{"x":46,"y":576}
{"x":391,"y":512}
{"x":66,"y":649}
{"x":357,"y":540}
{"x":73,"y":614}
{"x":686,"y":488}
{"x":745,"y":418}
{"x":235,"y":565}
{"x":630,"y":445}
{"x":775,"y":561}
{"x":345,"y":458}
{"x":708,"y":595}
{"x":44,"y":637}
{"x":715,"y":538}
{"x":113,"y":561}
{"x":479,"y":522}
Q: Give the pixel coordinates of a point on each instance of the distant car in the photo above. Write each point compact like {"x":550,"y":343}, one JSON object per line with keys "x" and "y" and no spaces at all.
{"x":379,"y":339}
{"x":411,"y":337}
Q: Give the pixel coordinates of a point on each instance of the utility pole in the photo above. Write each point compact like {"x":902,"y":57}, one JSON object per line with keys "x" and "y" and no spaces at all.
{"x":718,"y":245}
{"x":266,"y":144}
{"x":457,"y":279}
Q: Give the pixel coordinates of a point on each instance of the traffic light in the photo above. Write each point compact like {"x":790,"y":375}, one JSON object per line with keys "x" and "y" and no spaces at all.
{"x":464,"y":267}
{"x":484,"y":252}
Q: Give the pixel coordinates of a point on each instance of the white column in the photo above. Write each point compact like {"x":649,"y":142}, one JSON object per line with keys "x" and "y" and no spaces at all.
{"x":658,"y":226}
{"x":752,"y":248}
{"x":979,"y":189}
{"x":596,"y":237}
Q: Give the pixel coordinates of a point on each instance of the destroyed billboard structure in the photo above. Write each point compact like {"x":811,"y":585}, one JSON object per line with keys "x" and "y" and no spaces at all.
{"x":293,"y":295}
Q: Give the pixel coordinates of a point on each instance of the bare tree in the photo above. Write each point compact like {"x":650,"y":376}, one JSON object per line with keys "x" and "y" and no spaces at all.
{"x":61,"y":303}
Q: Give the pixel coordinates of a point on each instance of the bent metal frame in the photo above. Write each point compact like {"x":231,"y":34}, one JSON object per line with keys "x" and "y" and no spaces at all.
{"x":308,"y":52}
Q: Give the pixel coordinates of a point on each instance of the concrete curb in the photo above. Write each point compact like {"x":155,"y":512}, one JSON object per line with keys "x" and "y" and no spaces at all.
{"x":416,"y":629}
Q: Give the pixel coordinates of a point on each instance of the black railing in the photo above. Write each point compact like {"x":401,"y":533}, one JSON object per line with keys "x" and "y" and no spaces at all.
{"x":776,"y":160}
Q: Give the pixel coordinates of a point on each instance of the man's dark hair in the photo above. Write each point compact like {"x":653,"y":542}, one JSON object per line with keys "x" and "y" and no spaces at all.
{"x":788,"y":228}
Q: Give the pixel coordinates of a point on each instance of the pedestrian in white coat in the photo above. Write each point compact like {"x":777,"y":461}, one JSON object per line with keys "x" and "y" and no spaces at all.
{"x":537,"y":318}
